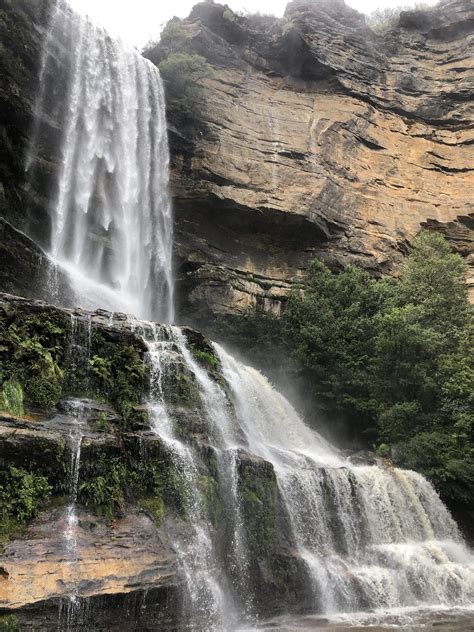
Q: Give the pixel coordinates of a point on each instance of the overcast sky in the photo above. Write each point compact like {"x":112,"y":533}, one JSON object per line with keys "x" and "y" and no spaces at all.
{"x":138,"y":21}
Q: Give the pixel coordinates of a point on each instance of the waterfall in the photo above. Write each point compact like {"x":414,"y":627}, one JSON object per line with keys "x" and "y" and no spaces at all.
{"x":366,"y":538}
{"x":111,"y":215}
{"x":207,"y":601}
{"x":371,"y":537}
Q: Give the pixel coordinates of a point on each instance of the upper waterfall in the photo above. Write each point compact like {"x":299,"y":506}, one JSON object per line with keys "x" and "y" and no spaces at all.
{"x":111,"y":215}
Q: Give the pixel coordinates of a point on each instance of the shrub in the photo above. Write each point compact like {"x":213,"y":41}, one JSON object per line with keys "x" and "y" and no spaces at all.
{"x":182,"y":74}
{"x":22,"y":493}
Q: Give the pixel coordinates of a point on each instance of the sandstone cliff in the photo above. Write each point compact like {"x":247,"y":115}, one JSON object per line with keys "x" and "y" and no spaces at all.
{"x":323,"y":138}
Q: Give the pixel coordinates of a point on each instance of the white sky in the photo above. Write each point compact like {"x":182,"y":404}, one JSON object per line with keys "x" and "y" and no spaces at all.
{"x":139,"y":21}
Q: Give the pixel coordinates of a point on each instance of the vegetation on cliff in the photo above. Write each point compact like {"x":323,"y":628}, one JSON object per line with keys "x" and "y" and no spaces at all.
{"x":392,"y":356}
{"x":182,"y":71}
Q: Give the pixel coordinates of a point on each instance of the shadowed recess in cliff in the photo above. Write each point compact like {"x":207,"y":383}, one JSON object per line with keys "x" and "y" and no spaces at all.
{"x":111,"y":211}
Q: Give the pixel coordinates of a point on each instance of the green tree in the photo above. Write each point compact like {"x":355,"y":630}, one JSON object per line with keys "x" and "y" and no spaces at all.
{"x":331,"y":323}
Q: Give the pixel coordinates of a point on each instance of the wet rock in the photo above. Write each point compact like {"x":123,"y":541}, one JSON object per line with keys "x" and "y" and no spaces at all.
{"x":127,"y":570}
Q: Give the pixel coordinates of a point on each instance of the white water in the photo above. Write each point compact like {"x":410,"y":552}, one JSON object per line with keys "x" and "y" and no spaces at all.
{"x":207,"y":602}
{"x":372,"y":539}
{"x":111,"y":214}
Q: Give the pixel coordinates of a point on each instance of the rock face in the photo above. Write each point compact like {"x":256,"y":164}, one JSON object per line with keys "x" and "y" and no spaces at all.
{"x":323,"y":139}
{"x":126,"y":566}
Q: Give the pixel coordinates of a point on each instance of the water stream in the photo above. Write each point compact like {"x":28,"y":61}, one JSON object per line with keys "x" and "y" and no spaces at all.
{"x":371,"y":537}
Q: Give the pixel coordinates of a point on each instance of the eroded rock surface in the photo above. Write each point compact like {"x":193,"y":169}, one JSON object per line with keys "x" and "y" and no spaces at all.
{"x":127,"y":558}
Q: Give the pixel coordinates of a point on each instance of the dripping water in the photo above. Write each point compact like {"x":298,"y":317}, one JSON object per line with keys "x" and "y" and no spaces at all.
{"x":76,"y":420}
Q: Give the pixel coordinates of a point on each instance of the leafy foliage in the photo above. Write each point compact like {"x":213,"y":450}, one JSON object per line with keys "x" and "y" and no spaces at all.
{"x":11,"y":398}
{"x":117,"y":371}
{"x":382,"y":20}
{"x":183,"y":73}
{"x":9,"y":623}
{"x":32,"y":350}
{"x":22,"y":493}
{"x":107,"y":481}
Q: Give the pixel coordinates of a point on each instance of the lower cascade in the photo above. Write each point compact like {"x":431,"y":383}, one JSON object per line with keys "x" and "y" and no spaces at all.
{"x":207,"y":504}
{"x":361,"y":537}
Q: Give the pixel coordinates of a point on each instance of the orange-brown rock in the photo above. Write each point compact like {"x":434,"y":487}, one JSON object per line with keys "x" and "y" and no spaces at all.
{"x":323,"y":138}
{"x":125,"y":560}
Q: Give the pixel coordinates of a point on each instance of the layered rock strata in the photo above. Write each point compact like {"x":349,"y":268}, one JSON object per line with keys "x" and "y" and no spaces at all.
{"x":323,"y":138}
{"x":318,"y":137}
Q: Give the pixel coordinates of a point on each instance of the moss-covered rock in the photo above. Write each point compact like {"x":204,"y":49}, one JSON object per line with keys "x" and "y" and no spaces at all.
{"x":50,"y":352}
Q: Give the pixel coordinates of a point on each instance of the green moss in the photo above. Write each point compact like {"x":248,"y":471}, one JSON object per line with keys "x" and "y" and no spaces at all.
{"x":258,"y":492}
{"x":207,"y":359}
{"x":9,"y":623}
{"x":180,"y":387}
{"x":155,"y":507}
{"x":210,"y":499}
{"x":11,"y":398}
